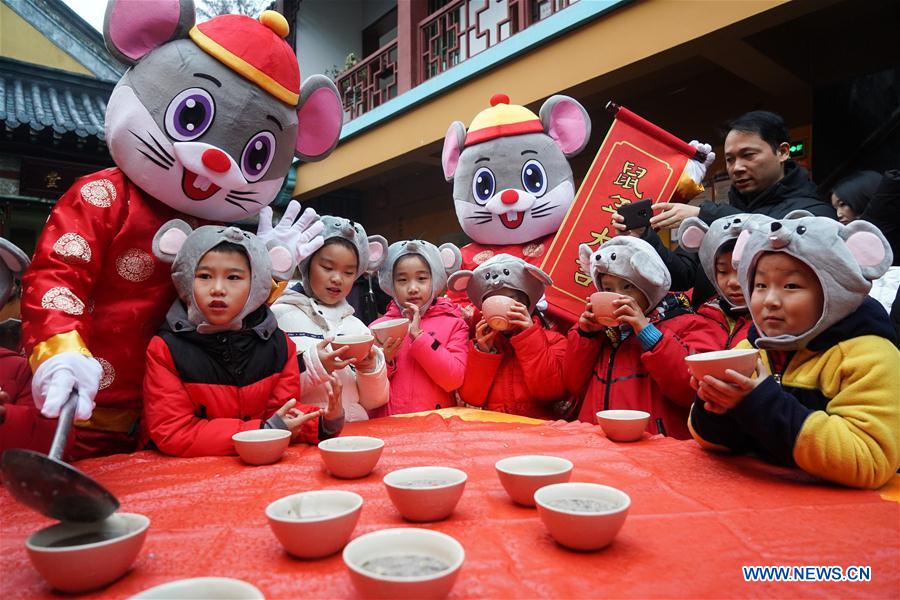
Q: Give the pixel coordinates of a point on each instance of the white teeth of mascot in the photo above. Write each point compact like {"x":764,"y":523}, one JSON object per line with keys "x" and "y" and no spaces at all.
{"x":202,"y":183}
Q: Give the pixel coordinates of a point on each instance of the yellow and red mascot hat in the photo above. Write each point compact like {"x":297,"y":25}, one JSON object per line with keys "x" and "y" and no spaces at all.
{"x":254,"y":49}
{"x":500,"y":120}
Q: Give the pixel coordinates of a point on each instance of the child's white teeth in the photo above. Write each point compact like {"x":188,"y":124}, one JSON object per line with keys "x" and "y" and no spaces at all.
{"x":202,"y":183}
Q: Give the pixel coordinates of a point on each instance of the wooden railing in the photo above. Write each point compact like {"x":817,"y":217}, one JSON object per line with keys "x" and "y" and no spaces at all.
{"x":370,"y":83}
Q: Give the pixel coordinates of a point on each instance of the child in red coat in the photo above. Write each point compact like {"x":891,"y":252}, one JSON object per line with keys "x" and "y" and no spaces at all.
{"x":638,"y":364}
{"x":21,"y":423}
{"x":726,"y":313}
{"x":517,"y":370}
{"x":220,"y":364}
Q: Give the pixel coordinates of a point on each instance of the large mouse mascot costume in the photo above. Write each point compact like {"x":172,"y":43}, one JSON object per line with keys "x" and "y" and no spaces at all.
{"x":202,"y":127}
{"x":512,"y":183}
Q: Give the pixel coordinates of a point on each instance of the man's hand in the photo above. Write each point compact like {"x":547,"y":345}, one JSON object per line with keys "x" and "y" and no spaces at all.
{"x":331,"y":359}
{"x":57,"y":376}
{"x":301,"y":236}
{"x":671,"y":214}
{"x":719,"y":396}
{"x":618,"y":223}
{"x":628,"y":312}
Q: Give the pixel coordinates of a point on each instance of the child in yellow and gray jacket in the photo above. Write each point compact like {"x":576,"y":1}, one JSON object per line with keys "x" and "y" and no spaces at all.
{"x":831,"y":405}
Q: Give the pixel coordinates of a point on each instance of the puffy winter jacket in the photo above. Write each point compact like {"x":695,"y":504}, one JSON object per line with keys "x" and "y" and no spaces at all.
{"x":200,"y":389}
{"x":611,"y":370}
{"x":308,"y":322}
{"x":524,"y":376}
{"x":728,"y":328}
{"x":426,"y":371}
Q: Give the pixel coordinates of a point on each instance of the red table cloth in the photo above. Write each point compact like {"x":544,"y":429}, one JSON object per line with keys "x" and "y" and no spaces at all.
{"x":695,"y":519}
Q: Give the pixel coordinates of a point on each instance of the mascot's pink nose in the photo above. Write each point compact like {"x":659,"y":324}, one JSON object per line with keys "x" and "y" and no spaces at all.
{"x":509,"y":197}
{"x":216,"y":160}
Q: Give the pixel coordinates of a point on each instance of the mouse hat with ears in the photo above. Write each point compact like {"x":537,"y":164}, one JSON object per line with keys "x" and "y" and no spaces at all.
{"x":632,"y":259}
{"x":13,"y":263}
{"x":442,"y":262}
{"x":707,"y":241}
{"x":498,"y":272}
{"x":845,"y":258}
{"x":183,"y":247}
{"x":370,"y":250}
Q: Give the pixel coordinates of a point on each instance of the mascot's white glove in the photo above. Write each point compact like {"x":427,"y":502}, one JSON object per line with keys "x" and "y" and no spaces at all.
{"x":57,"y":376}
{"x":695,"y":169}
{"x":303,"y":237}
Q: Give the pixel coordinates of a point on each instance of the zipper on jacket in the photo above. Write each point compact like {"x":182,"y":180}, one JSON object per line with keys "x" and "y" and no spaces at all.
{"x":609,"y":369}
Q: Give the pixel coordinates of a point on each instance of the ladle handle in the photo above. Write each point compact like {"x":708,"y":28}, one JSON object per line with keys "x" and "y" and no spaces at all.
{"x":63,"y":426}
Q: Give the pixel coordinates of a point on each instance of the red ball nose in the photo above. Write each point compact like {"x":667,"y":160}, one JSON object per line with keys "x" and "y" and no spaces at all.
{"x":509,"y":197}
{"x":216,"y":160}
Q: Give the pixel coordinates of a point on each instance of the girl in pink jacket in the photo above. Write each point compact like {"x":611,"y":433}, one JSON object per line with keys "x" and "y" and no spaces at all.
{"x":429,"y":363}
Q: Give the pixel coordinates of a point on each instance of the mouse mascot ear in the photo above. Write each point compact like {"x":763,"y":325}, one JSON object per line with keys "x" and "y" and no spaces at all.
{"x":132,"y":28}
{"x":319,"y":117}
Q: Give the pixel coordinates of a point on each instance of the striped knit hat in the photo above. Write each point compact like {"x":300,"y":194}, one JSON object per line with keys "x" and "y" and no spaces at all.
{"x":254,"y":49}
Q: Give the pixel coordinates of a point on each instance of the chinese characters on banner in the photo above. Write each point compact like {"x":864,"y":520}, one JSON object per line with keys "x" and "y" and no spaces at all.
{"x":637,"y":161}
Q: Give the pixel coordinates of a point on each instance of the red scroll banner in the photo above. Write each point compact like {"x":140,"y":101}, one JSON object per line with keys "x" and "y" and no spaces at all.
{"x":636,"y":161}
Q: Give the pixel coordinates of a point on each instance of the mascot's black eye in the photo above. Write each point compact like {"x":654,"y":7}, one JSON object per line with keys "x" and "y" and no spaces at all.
{"x":189,"y":114}
{"x":483,"y":185}
{"x":534,"y":179}
{"x":257,"y":156}
{"x":506,"y":272}
{"x":487,"y":275}
{"x":612,"y":256}
{"x":801,"y":230}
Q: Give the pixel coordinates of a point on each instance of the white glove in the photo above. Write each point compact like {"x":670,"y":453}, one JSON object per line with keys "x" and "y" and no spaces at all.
{"x":695,"y":169}
{"x":55,"y":379}
{"x":542,"y":304}
{"x":303,"y":237}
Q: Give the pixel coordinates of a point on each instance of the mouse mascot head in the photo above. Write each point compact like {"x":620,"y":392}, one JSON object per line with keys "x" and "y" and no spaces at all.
{"x":204,"y":126}
{"x":512,"y":183}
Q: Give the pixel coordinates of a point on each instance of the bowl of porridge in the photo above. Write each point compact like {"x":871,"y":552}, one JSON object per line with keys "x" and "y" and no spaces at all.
{"x":404,"y":563}
{"x":425,"y":493}
{"x":352,"y":456}
{"x":582,"y":516}
{"x":522,"y":476}
{"x":314,"y":524}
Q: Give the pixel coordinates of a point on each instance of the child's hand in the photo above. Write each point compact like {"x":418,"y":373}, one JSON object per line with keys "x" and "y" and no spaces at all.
{"x":587,"y":322}
{"x":390,"y":348}
{"x":367,"y":364}
{"x":484,"y":336}
{"x":518,"y":317}
{"x":411,"y":312}
{"x":335,"y":409}
{"x":628,"y":312}
{"x":294,"y":418}
{"x":331,"y":359}
{"x":721,"y":395}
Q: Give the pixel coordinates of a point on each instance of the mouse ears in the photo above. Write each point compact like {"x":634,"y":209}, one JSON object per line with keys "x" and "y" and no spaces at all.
{"x":320,"y":117}
{"x":451,"y":258}
{"x":131,"y":31}
{"x":691,"y":233}
{"x":567,"y":122}
{"x":869,"y":248}
{"x":454,"y":142}
{"x":538,"y":274}
{"x":169,"y":239}
{"x":377,"y":252}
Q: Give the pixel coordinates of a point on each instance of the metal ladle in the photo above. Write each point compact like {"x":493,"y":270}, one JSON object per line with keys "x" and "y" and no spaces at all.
{"x":53,"y":487}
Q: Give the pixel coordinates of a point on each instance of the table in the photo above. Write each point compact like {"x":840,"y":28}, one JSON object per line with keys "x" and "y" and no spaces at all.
{"x":695,"y":519}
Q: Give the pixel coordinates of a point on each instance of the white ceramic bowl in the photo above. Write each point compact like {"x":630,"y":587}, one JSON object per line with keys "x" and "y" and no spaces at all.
{"x":261,"y":446}
{"x":87,"y":566}
{"x":394,"y":328}
{"x":352,"y":456}
{"x":742,"y":360}
{"x":220,"y":588}
{"x":494,"y":310}
{"x":410,"y":541}
{"x":425,"y":493}
{"x":314,"y":524}
{"x":623,"y":425}
{"x":522,"y":476}
{"x":357,"y":345}
{"x":592,"y":527}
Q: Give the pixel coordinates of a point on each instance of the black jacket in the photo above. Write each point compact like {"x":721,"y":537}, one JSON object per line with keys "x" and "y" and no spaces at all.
{"x":883,"y":211}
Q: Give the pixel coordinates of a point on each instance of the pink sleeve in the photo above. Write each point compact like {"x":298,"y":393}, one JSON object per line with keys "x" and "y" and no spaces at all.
{"x":444,"y":363}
